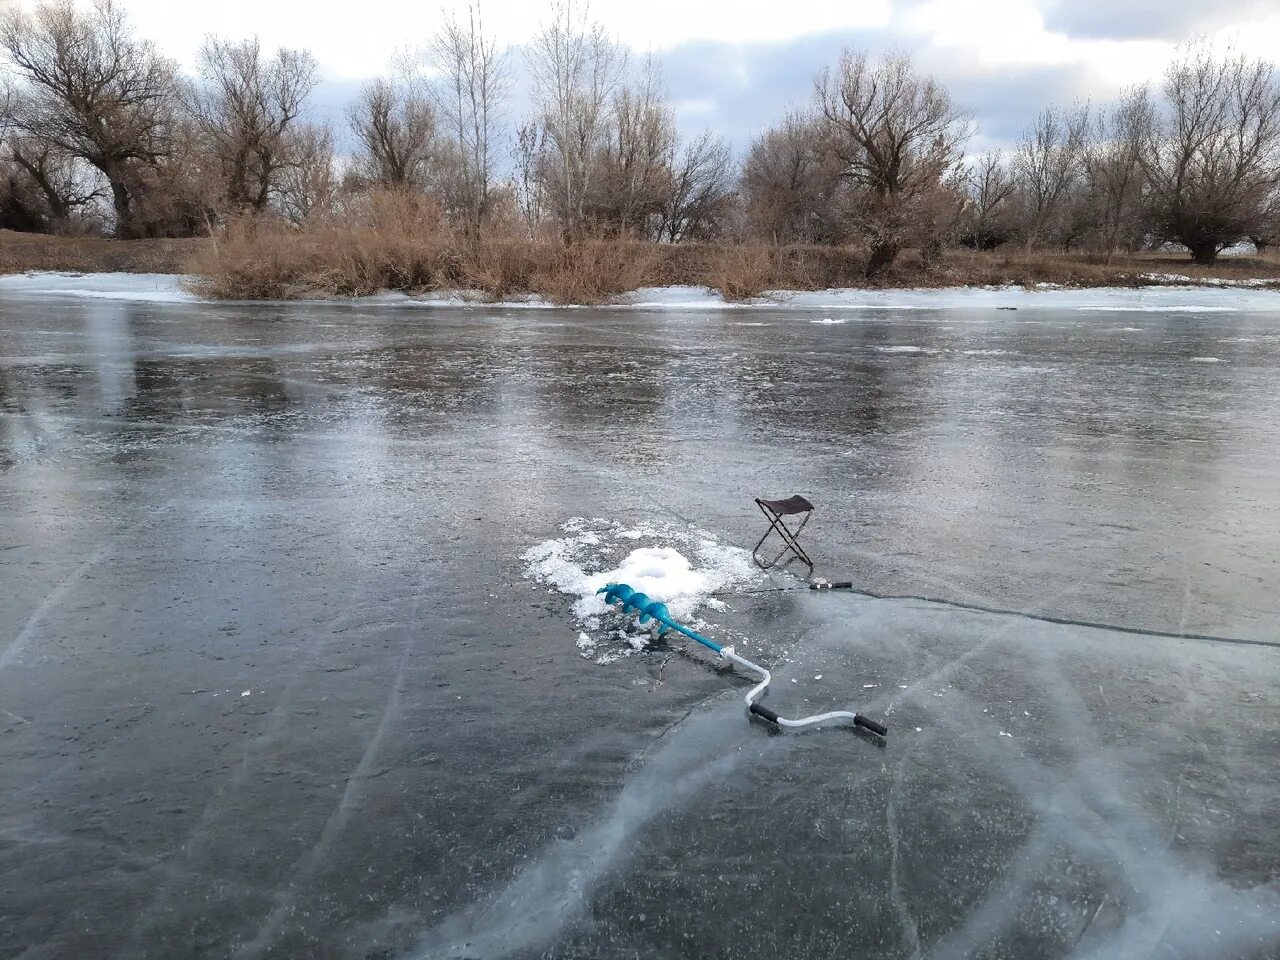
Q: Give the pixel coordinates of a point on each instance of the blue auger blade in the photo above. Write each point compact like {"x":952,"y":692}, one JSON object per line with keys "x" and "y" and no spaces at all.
{"x":657,"y":611}
{"x":633,"y":600}
{"x":636,"y":602}
{"x":646,"y":610}
{"x":616,"y":592}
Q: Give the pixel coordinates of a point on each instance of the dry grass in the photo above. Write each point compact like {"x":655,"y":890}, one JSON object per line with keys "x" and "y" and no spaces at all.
{"x":395,"y":242}
{"x":391,"y":242}
{"x":593,"y":271}
{"x":398,"y":242}
{"x":21,"y":252}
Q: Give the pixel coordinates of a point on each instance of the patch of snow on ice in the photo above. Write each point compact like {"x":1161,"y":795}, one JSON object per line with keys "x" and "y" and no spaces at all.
{"x":904,"y":348}
{"x":142,"y":287}
{"x":829,"y":320}
{"x":676,"y":297}
{"x":681,"y":566}
{"x":1206,"y":360}
{"x":1162,"y":308}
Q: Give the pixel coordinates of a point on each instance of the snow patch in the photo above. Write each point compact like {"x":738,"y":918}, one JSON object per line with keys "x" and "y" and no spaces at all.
{"x":1163,"y":308}
{"x":681,"y":566}
{"x":1247,"y":283}
{"x":1166,"y":294}
{"x":142,"y":287}
{"x":1206,"y":360}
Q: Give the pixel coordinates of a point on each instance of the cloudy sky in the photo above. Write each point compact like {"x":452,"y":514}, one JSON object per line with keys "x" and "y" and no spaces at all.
{"x":736,"y":65}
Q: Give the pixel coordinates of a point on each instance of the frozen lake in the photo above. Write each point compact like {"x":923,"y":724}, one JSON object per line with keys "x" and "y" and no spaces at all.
{"x":275,"y":680}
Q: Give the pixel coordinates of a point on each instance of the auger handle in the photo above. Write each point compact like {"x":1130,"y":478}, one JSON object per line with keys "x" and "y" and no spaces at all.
{"x":871,"y":725}
{"x":760,"y":710}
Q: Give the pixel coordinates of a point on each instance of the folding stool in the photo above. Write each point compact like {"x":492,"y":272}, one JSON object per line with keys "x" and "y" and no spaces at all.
{"x":774,"y":511}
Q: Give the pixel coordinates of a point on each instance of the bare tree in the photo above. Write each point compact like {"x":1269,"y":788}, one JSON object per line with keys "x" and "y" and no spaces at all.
{"x":470,"y":92}
{"x":527,"y":181}
{"x":1114,"y":172}
{"x":575,"y":68}
{"x":309,"y":184}
{"x":395,"y":126}
{"x":1266,"y":232}
{"x":62,"y":188}
{"x":245,"y":106}
{"x":701,"y":190}
{"x":1049,"y":164}
{"x":93,"y":91}
{"x":789,"y":184}
{"x":987,"y":218}
{"x":898,"y":138}
{"x":635,"y":177}
{"x":1212,"y":157}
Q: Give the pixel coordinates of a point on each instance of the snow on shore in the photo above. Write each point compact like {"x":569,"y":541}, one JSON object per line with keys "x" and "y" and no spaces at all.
{"x":1221,"y":295}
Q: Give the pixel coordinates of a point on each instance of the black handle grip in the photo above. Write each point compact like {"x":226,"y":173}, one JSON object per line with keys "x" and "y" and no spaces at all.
{"x":871,"y":725}
{"x":763,"y":711}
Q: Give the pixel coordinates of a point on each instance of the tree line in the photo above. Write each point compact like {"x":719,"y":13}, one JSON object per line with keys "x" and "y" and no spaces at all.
{"x":103,"y":133}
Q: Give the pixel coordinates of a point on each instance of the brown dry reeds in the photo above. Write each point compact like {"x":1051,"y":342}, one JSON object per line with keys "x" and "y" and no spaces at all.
{"x":742,"y":272}
{"x":401,"y":250}
{"x":389,"y":241}
{"x":394,"y":241}
{"x":21,"y":252}
{"x":386,"y":241}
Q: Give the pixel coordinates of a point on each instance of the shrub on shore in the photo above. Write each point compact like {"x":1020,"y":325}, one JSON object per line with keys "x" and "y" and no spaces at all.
{"x":394,"y":244}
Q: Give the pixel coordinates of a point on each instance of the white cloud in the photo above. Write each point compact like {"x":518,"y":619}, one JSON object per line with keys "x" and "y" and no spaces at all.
{"x":987,"y":35}
{"x":736,"y":64}
{"x":357,"y":40}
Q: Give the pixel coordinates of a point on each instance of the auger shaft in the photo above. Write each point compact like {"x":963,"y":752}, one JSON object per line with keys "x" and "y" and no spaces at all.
{"x":648,"y":609}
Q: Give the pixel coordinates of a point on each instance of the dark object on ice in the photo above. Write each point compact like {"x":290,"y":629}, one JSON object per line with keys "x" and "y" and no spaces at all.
{"x":774,"y":511}
{"x":1006,"y":308}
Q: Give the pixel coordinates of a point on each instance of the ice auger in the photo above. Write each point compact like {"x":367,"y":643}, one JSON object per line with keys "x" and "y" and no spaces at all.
{"x":649,"y":610}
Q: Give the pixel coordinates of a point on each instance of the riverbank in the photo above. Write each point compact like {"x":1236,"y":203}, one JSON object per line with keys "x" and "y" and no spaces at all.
{"x":280,"y":265}
{"x":830,"y":306}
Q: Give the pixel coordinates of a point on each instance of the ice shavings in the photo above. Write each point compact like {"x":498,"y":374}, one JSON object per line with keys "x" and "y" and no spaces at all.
{"x":681,"y":566}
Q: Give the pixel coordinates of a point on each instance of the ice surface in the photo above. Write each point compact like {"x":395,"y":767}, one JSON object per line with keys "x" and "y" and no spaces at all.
{"x":327,"y":504}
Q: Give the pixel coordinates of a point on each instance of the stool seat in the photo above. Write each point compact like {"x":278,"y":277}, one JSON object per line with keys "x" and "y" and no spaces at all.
{"x":787,"y":507}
